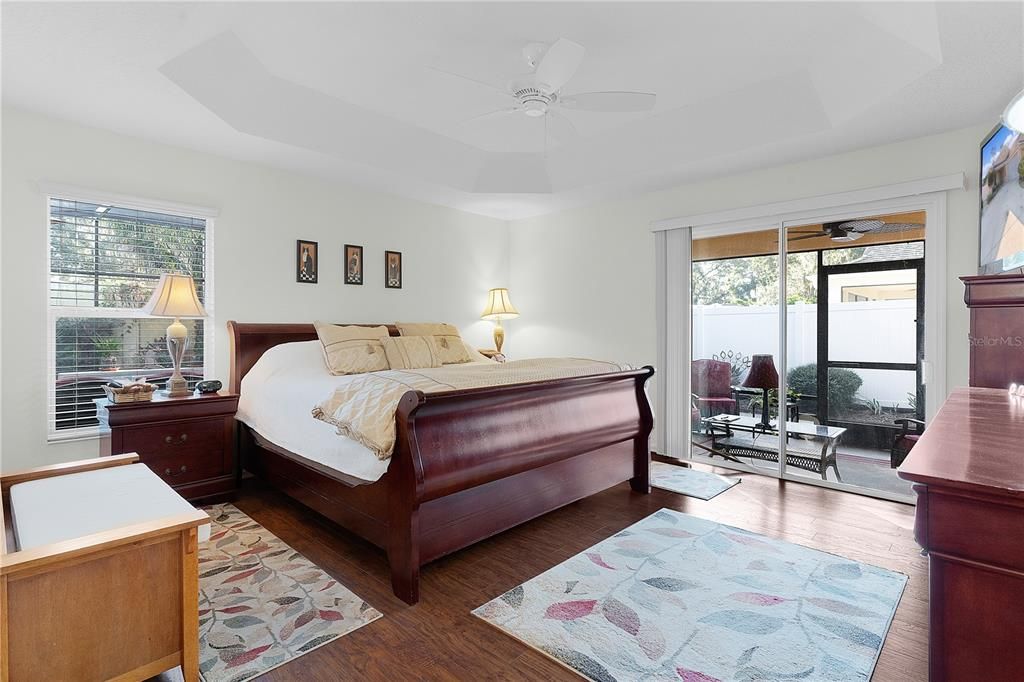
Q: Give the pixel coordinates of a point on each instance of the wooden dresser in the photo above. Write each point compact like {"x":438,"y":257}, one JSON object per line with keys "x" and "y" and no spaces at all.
{"x":189,"y":442}
{"x":968,"y":472}
{"x":996,"y":303}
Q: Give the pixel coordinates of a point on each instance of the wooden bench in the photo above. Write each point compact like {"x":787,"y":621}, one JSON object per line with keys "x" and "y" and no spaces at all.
{"x":117,"y":603}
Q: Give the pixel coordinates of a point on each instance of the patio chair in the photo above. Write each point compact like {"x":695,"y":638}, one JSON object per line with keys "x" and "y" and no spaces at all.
{"x":711,"y":383}
{"x":904,"y":441}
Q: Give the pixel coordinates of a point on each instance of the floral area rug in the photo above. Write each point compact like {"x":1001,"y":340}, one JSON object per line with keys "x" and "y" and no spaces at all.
{"x":700,"y":484}
{"x":676,"y":597}
{"x":261,"y":603}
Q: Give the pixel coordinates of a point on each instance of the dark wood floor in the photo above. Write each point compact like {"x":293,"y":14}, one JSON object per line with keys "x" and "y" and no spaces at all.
{"x":438,"y":639}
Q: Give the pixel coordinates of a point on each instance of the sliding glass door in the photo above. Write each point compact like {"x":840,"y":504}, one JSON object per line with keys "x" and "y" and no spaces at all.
{"x":805,"y":361}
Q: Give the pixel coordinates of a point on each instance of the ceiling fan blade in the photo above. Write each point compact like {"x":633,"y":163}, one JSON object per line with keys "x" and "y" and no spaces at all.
{"x":815,"y":235}
{"x":559,"y":64}
{"x":489,"y":114}
{"x":898,"y":227}
{"x":860,"y":225}
{"x":609,"y":101}
{"x":560,"y":128}
{"x":489,"y":86}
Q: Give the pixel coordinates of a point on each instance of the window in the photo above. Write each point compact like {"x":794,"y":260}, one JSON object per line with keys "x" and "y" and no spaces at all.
{"x":104,"y":262}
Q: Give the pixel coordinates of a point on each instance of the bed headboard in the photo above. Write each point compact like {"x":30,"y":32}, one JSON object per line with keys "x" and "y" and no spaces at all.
{"x":249,"y":340}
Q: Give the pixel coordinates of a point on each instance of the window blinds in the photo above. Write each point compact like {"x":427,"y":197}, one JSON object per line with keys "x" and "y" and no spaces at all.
{"x":104,"y":262}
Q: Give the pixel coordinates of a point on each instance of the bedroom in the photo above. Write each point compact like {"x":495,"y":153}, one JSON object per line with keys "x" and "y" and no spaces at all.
{"x":387,"y":164}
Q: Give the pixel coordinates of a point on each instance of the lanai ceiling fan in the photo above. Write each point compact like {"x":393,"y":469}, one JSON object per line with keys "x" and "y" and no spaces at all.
{"x":852,"y":230}
{"x":539,"y":94}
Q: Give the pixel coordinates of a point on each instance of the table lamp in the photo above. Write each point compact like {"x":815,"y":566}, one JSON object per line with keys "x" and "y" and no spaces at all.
{"x":499,"y":308}
{"x":762,"y":375}
{"x":175,"y":296}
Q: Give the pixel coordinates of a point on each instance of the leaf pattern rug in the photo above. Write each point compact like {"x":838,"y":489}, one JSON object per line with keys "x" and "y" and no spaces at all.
{"x":686,"y":481}
{"x":676,"y":597}
{"x":261,"y":603}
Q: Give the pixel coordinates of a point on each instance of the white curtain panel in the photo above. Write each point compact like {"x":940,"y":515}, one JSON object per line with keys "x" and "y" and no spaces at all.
{"x":672,"y":389}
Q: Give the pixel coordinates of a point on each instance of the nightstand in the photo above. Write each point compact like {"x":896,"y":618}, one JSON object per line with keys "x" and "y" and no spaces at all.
{"x":189,"y":441}
{"x":492,"y":354}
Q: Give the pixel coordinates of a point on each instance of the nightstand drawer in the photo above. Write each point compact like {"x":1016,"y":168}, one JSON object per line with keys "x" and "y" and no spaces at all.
{"x":175,"y":438}
{"x":187,"y":466}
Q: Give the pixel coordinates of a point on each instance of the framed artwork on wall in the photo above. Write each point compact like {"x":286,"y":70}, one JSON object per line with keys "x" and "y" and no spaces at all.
{"x":306,"y":269}
{"x":353,"y":264}
{"x":393,"y":269}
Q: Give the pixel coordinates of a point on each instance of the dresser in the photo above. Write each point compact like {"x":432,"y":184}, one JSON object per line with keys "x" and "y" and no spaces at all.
{"x":968,"y":473}
{"x":189,"y":442}
{"x":996,"y":339}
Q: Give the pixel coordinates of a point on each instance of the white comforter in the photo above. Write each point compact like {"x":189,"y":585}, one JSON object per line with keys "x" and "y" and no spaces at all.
{"x":277,"y":397}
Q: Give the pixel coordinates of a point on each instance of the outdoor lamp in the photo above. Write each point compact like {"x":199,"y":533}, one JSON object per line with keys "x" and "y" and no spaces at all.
{"x":762,"y":375}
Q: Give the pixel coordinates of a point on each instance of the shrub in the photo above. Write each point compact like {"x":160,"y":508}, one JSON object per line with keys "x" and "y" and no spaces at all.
{"x":843,"y":384}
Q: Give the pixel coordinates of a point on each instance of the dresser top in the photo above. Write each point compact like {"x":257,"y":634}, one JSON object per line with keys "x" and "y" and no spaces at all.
{"x":975,"y":442}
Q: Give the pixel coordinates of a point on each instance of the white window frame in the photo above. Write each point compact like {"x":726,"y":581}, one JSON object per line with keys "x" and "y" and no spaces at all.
{"x":52,"y":191}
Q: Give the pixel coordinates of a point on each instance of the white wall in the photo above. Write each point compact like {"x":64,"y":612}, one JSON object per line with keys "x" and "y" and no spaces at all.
{"x":450,"y":258}
{"x":584,"y":279}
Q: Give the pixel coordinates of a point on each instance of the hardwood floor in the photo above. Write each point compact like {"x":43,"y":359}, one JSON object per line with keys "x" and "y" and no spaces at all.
{"x":438,"y":639}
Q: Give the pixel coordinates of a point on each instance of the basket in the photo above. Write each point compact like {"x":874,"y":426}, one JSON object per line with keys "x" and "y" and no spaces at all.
{"x":133,"y":393}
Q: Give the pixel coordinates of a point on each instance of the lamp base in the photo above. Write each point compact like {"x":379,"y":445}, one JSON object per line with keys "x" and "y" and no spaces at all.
{"x":177,"y":387}
{"x":499,"y":336}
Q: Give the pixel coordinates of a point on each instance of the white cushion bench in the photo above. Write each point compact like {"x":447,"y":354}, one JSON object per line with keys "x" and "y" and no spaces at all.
{"x":98,"y":577}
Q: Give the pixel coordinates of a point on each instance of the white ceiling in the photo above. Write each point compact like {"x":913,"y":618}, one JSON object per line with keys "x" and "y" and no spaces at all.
{"x":357,"y":92}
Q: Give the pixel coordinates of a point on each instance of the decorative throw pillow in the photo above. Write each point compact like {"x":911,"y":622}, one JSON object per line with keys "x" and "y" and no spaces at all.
{"x":352,"y":349}
{"x":449,"y":342}
{"x":412,"y":352}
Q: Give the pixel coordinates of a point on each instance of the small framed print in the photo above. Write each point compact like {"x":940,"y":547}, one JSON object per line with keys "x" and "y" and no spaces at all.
{"x":393,"y":269}
{"x":306,"y":269}
{"x":353,"y":264}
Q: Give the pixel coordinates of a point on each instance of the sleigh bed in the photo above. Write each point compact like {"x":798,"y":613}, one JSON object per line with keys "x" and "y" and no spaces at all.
{"x":467,"y":464}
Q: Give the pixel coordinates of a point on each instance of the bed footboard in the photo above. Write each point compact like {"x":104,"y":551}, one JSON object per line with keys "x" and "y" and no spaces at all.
{"x":469,"y":464}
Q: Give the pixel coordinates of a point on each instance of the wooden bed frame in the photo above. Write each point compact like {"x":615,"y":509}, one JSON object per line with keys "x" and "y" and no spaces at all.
{"x":469,"y":463}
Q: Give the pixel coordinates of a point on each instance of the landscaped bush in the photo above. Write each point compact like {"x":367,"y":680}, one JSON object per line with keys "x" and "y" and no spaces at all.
{"x":843,"y":385}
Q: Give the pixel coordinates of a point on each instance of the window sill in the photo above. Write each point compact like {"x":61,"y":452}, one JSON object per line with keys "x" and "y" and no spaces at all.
{"x":76,"y":436}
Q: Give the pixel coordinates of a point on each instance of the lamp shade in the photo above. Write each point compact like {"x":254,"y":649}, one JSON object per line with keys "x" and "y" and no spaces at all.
{"x":762,"y":373}
{"x":175,"y":296}
{"x":499,"y":307}
{"x":1013,"y":116}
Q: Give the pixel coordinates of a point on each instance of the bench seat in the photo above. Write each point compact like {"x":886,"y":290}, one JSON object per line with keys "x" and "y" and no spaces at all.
{"x":66,"y":507}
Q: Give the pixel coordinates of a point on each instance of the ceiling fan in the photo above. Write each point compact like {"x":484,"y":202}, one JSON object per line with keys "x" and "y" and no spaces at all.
{"x":539,"y":93}
{"x":852,"y":230}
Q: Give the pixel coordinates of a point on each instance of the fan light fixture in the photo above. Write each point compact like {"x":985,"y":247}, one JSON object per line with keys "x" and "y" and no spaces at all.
{"x":1013,"y":116}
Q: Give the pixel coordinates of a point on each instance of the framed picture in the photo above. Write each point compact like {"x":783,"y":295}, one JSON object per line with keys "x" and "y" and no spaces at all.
{"x":353,"y":264}
{"x":393,"y":269}
{"x":306,"y":269}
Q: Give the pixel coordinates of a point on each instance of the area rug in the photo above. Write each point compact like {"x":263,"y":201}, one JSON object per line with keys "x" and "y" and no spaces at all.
{"x":686,"y":481}
{"x":261,"y":603}
{"x":675,"y":597}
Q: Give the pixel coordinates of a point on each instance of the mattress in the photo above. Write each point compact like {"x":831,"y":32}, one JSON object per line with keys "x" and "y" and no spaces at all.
{"x":67,"y":507}
{"x":277,"y":399}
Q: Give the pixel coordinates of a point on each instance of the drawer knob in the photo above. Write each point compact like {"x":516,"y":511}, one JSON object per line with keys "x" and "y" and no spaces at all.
{"x":181,"y":439}
{"x":168,"y":472}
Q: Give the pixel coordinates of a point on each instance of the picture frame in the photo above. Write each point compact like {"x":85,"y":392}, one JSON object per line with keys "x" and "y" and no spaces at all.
{"x":392,"y":269}
{"x":353,"y":264}
{"x":307,"y":270}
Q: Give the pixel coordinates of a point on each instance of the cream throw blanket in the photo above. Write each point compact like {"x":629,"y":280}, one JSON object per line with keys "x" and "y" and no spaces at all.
{"x":364,"y":408}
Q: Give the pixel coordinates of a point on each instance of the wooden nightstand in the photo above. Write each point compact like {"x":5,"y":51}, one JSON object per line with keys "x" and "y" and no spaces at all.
{"x":189,"y":442}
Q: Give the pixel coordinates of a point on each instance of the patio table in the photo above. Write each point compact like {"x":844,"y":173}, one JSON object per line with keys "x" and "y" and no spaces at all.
{"x":735,"y":436}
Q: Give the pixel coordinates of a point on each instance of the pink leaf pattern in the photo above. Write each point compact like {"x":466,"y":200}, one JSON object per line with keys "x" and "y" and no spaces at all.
{"x":269,"y":603}
{"x":571,"y":610}
{"x":757,"y":598}
{"x":596,"y":558}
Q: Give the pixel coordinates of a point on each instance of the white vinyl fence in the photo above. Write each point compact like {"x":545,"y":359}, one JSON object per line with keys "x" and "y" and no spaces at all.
{"x":869,"y":331}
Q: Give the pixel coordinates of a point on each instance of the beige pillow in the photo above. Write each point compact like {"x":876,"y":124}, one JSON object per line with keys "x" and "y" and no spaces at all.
{"x":352,"y":349}
{"x":412,"y":352}
{"x":450,"y":345}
